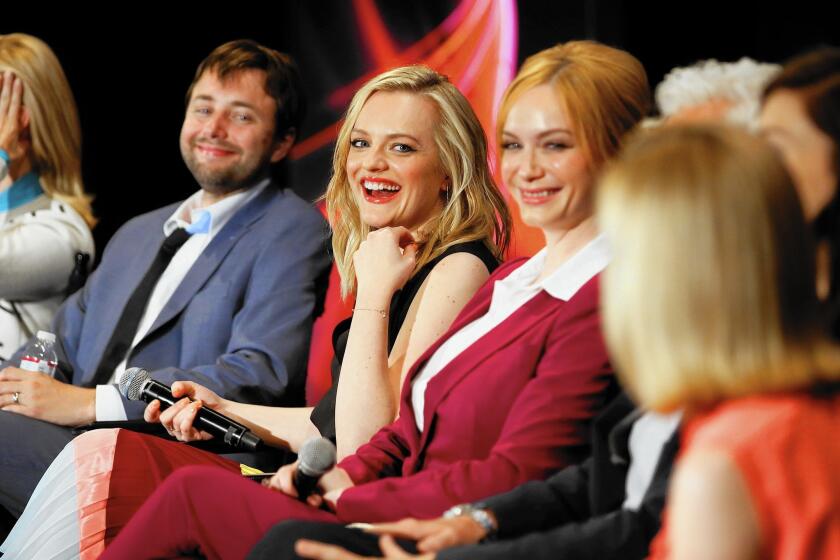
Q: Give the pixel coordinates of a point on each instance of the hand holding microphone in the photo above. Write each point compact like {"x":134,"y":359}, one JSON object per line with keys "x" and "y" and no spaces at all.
{"x":179,"y":419}
{"x":317,"y":456}
{"x":136,"y":384}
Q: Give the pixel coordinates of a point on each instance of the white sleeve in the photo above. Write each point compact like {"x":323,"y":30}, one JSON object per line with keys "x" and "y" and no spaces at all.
{"x":109,"y":406}
{"x":37,"y":252}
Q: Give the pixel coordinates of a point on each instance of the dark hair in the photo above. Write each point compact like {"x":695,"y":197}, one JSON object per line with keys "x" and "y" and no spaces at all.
{"x":815,"y":77}
{"x":282,"y":81}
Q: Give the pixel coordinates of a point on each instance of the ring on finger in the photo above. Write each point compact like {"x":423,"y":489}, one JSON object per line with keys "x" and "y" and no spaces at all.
{"x":16,"y":397}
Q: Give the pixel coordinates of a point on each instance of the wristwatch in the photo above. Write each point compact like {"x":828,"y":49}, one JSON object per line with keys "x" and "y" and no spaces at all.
{"x":483,"y":516}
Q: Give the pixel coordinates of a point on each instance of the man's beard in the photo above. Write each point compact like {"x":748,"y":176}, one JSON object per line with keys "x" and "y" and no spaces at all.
{"x":228,"y":179}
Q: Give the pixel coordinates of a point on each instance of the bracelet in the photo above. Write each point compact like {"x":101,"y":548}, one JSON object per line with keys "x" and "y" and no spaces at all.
{"x":380,"y":311}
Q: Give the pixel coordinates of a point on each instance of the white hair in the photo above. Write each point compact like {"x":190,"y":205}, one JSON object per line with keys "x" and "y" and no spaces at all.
{"x":740,"y":82}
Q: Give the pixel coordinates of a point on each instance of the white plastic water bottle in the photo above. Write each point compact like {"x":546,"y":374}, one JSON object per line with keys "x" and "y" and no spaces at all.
{"x":40,"y":354}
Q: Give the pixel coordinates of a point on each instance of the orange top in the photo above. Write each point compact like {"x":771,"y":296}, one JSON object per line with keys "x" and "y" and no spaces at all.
{"x":787,"y":449}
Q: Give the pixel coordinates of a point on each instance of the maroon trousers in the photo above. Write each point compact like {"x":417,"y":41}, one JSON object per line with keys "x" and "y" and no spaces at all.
{"x":209,"y":511}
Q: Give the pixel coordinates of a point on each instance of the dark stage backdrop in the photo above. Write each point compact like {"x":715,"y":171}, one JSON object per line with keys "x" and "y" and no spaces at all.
{"x":129,"y":68}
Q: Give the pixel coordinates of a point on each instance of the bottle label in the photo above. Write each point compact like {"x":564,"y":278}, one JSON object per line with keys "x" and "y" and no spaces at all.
{"x":29,"y":363}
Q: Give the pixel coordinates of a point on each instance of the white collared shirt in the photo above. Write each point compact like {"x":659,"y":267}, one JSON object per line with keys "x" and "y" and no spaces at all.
{"x":648,"y":437}
{"x":509,"y":294}
{"x":203,"y":224}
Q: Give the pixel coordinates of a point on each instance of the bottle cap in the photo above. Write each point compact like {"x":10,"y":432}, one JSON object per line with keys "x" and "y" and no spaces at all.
{"x":46,"y":336}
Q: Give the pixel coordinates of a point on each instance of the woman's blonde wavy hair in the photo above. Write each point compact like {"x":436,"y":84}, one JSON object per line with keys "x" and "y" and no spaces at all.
{"x":474,"y":208}
{"x":53,"y":119}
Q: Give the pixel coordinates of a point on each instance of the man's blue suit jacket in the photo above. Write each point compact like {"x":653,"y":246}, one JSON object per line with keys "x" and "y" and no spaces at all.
{"x":240,"y":321}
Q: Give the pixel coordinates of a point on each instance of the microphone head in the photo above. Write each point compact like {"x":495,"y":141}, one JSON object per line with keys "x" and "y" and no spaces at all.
{"x":131,"y":382}
{"x":317,"y":456}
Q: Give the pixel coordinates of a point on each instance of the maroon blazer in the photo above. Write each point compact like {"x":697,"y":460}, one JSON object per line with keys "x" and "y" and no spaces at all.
{"x":514,"y":406}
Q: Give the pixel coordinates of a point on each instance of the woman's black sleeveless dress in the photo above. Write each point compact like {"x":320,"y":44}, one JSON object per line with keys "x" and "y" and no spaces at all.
{"x":323,"y":416}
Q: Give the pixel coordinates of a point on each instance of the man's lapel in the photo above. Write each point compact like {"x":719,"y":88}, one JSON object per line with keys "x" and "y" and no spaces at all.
{"x":212,"y":257}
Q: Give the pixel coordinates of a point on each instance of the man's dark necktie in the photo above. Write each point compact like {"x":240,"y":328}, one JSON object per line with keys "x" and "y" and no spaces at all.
{"x":126,"y":328}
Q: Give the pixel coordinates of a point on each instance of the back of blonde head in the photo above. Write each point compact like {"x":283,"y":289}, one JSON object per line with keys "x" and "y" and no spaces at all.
{"x":475,"y":209}
{"x":711,"y":293}
{"x":54,"y":121}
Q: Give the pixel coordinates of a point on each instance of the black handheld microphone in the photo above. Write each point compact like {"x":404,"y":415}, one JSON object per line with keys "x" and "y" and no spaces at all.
{"x":137,"y":385}
{"x":317,"y":456}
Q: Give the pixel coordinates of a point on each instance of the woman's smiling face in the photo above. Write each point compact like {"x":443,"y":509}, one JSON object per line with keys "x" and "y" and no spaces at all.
{"x":543,"y":162}
{"x":393,"y":164}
